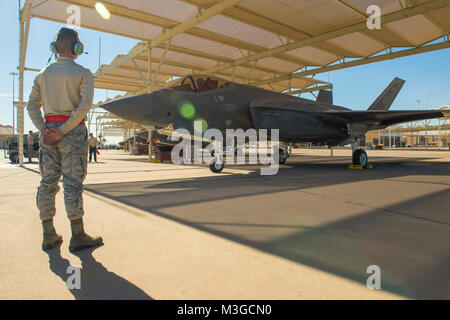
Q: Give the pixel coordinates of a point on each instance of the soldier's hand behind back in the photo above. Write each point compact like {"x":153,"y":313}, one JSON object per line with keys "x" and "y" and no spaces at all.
{"x":52,"y":136}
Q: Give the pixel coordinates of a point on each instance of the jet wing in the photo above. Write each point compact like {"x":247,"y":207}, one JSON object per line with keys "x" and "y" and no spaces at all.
{"x":384,"y":118}
{"x":271,"y":110}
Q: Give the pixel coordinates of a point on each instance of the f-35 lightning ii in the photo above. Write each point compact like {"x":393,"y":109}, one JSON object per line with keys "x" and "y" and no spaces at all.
{"x":225,"y":105}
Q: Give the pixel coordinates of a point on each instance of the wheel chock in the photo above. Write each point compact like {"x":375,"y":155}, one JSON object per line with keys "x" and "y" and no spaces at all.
{"x":355,"y":167}
{"x":155,"y":161}
{"x":368,"y":166}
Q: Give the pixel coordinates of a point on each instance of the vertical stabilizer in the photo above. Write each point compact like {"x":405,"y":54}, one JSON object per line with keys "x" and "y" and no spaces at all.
{"x":384,"y":101}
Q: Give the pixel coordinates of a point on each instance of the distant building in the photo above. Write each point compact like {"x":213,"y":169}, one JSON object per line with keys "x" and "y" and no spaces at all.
{"x":428,"y":133}
{"x":407,"y":139}
{"x":5,"y":130}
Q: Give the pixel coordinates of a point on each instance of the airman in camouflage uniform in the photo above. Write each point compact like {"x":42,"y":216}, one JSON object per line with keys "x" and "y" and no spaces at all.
{"x":65,"y":90}
{"x":68,"y":159}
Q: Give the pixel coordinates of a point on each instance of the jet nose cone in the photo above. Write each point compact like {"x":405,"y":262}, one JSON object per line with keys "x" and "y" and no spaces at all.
{"x":131,"y":108}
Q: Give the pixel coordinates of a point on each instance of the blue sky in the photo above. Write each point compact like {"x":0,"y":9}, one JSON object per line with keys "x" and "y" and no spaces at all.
{"x":427,"y":75}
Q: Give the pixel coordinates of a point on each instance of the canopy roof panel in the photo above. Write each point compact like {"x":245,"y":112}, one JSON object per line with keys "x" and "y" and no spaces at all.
{"x":270,"y":43}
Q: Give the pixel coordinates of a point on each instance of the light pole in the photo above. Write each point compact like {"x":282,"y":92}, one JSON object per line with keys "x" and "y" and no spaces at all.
{"x":13,"y":74}
{"x":418,"y":136}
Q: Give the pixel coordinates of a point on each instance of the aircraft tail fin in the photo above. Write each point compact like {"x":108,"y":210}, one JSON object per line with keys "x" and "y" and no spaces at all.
{"x":325,"y":96}
{"x":385,"y":99}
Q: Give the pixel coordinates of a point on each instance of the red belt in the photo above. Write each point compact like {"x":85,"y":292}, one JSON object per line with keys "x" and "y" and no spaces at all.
{"x":58,"y":119}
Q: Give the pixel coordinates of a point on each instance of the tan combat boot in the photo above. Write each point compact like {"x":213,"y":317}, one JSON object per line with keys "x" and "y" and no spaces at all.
{"x":51,"y":238}
{"x":80,"y":240}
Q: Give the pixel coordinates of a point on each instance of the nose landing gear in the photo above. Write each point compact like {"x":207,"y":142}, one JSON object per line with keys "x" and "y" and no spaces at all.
{"x":217,"y":164}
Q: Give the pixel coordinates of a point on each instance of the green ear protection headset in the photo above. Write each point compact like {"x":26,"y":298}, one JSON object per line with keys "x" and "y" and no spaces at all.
{"x":77,"y":46}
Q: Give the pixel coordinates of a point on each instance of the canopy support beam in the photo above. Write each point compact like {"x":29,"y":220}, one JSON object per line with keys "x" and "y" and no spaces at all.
{"x":185,"y":26}
{"x":361,"y":26}
{"x":25,"y":16}
{"x":359,"y":62}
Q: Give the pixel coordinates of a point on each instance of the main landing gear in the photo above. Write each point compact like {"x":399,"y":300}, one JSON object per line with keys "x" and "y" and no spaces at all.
{"x":359,"y":158}
{"x":217,"y":166}
{"x":283,"y":155}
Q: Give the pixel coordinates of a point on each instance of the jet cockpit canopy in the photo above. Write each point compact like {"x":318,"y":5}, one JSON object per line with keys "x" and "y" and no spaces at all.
{"x":198,"y":83}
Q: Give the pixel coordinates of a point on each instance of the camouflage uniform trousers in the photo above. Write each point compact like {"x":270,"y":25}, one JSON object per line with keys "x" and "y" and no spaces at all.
{"x":69,"y":159}
{"x":30,"y":151}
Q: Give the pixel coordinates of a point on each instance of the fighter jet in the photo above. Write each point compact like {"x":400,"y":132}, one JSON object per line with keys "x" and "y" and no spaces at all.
{"x":225,"y":105}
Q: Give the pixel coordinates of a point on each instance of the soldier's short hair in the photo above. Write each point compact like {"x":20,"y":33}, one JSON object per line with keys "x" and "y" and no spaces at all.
{"x":65,"y":40}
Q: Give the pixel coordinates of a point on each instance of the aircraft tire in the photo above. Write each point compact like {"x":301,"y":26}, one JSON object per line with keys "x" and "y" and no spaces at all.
{"x":360,"y":158}
{"x":216,"y":167}
{"x":282,"y":156}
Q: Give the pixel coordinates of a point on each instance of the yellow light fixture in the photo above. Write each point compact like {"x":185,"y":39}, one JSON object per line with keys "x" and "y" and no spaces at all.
{"x":102,"y":10}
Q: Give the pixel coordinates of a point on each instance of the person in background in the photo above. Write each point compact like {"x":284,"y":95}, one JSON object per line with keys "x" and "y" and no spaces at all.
{"x":93,"y":143}
{"x":30,"y":145}
{"x":65,"y":89}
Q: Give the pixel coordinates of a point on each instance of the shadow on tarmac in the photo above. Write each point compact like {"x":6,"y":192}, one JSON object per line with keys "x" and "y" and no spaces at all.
{"x":408,"y":239}
{"x":97,"y":282}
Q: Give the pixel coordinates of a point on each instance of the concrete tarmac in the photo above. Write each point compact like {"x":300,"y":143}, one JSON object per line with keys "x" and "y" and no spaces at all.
{"x":182,"y":232}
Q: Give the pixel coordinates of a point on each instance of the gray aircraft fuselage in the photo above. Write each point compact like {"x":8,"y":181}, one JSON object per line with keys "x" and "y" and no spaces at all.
{"x":237,"y":106}
{"x":229,"y":108}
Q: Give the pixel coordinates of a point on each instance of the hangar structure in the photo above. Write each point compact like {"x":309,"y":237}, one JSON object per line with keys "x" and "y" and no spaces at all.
{"x":279,"y":45}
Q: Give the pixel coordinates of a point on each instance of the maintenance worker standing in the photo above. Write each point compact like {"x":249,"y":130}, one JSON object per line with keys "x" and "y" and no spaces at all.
{"x":93,"y":143}
{"x":65,"y":89}
{"x":30,"y":145}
